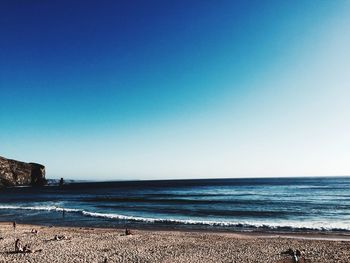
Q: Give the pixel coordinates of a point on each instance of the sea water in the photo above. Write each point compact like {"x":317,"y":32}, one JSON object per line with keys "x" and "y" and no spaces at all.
{"x":272,"y":204}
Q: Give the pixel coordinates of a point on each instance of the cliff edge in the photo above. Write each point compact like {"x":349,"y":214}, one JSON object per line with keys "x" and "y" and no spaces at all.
{"x":16,"y":173}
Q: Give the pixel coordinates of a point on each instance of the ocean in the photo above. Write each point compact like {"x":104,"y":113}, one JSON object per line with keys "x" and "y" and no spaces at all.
{"x":266,"y":204}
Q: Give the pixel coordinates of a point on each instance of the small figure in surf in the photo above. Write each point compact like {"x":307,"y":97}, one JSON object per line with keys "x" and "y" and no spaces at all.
{"x":61,"y":182}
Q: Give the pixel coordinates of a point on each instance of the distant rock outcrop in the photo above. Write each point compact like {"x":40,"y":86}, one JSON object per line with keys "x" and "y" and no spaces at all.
{"x":15,"y":173}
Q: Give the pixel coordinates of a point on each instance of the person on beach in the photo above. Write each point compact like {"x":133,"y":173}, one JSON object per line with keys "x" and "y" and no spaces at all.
{"x":34,"y":231}
{"x":127,"y":232}
{"x":14,"y":225}
{"x":18,"y":246}
{"x":60,"y":237}
{"x":296,"y":255}
{"x":26,"y":249}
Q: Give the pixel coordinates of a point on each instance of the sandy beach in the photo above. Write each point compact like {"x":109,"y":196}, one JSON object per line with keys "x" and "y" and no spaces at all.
{"x":112,"y":245}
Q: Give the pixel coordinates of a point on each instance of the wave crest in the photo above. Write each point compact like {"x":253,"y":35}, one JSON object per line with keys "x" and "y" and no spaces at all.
{"x":291,"y":225}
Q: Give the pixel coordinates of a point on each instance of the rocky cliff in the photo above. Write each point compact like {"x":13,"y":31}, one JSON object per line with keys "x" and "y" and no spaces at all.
{"x":15,"y":173}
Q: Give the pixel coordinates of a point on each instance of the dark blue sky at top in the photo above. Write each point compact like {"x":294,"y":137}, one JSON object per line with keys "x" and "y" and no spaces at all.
{"x":65,"y":63}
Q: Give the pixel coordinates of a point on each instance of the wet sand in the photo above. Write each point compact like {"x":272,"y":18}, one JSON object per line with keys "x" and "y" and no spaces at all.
{"x":112,"y":245}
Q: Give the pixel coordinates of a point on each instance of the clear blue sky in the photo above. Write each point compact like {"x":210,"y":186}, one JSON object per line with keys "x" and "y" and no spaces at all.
{"x":176,"y":89}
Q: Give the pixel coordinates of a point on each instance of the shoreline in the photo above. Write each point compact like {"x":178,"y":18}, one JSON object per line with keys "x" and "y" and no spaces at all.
{"x":302,"y":235}
{"x":146,"y":245}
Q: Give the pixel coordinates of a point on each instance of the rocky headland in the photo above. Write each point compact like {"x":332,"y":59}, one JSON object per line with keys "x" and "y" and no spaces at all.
{"x":17,"y":173}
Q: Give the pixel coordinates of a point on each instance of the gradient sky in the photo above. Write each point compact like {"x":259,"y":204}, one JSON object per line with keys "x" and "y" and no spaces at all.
{"x":118,"y":90}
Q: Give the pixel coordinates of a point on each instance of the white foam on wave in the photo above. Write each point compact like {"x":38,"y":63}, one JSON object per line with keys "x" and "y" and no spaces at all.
{"x":307,"y":225}
{"x":39,"y":208}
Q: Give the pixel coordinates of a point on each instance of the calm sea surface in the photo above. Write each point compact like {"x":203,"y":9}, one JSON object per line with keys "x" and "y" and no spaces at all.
{"x":292,"y":204}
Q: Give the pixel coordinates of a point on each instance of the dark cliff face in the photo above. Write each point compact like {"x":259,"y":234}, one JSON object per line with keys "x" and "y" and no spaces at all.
{"x":15,"y":173}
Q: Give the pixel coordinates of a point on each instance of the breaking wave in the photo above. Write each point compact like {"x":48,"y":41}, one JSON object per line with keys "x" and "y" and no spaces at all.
{"x":263,"y":225}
